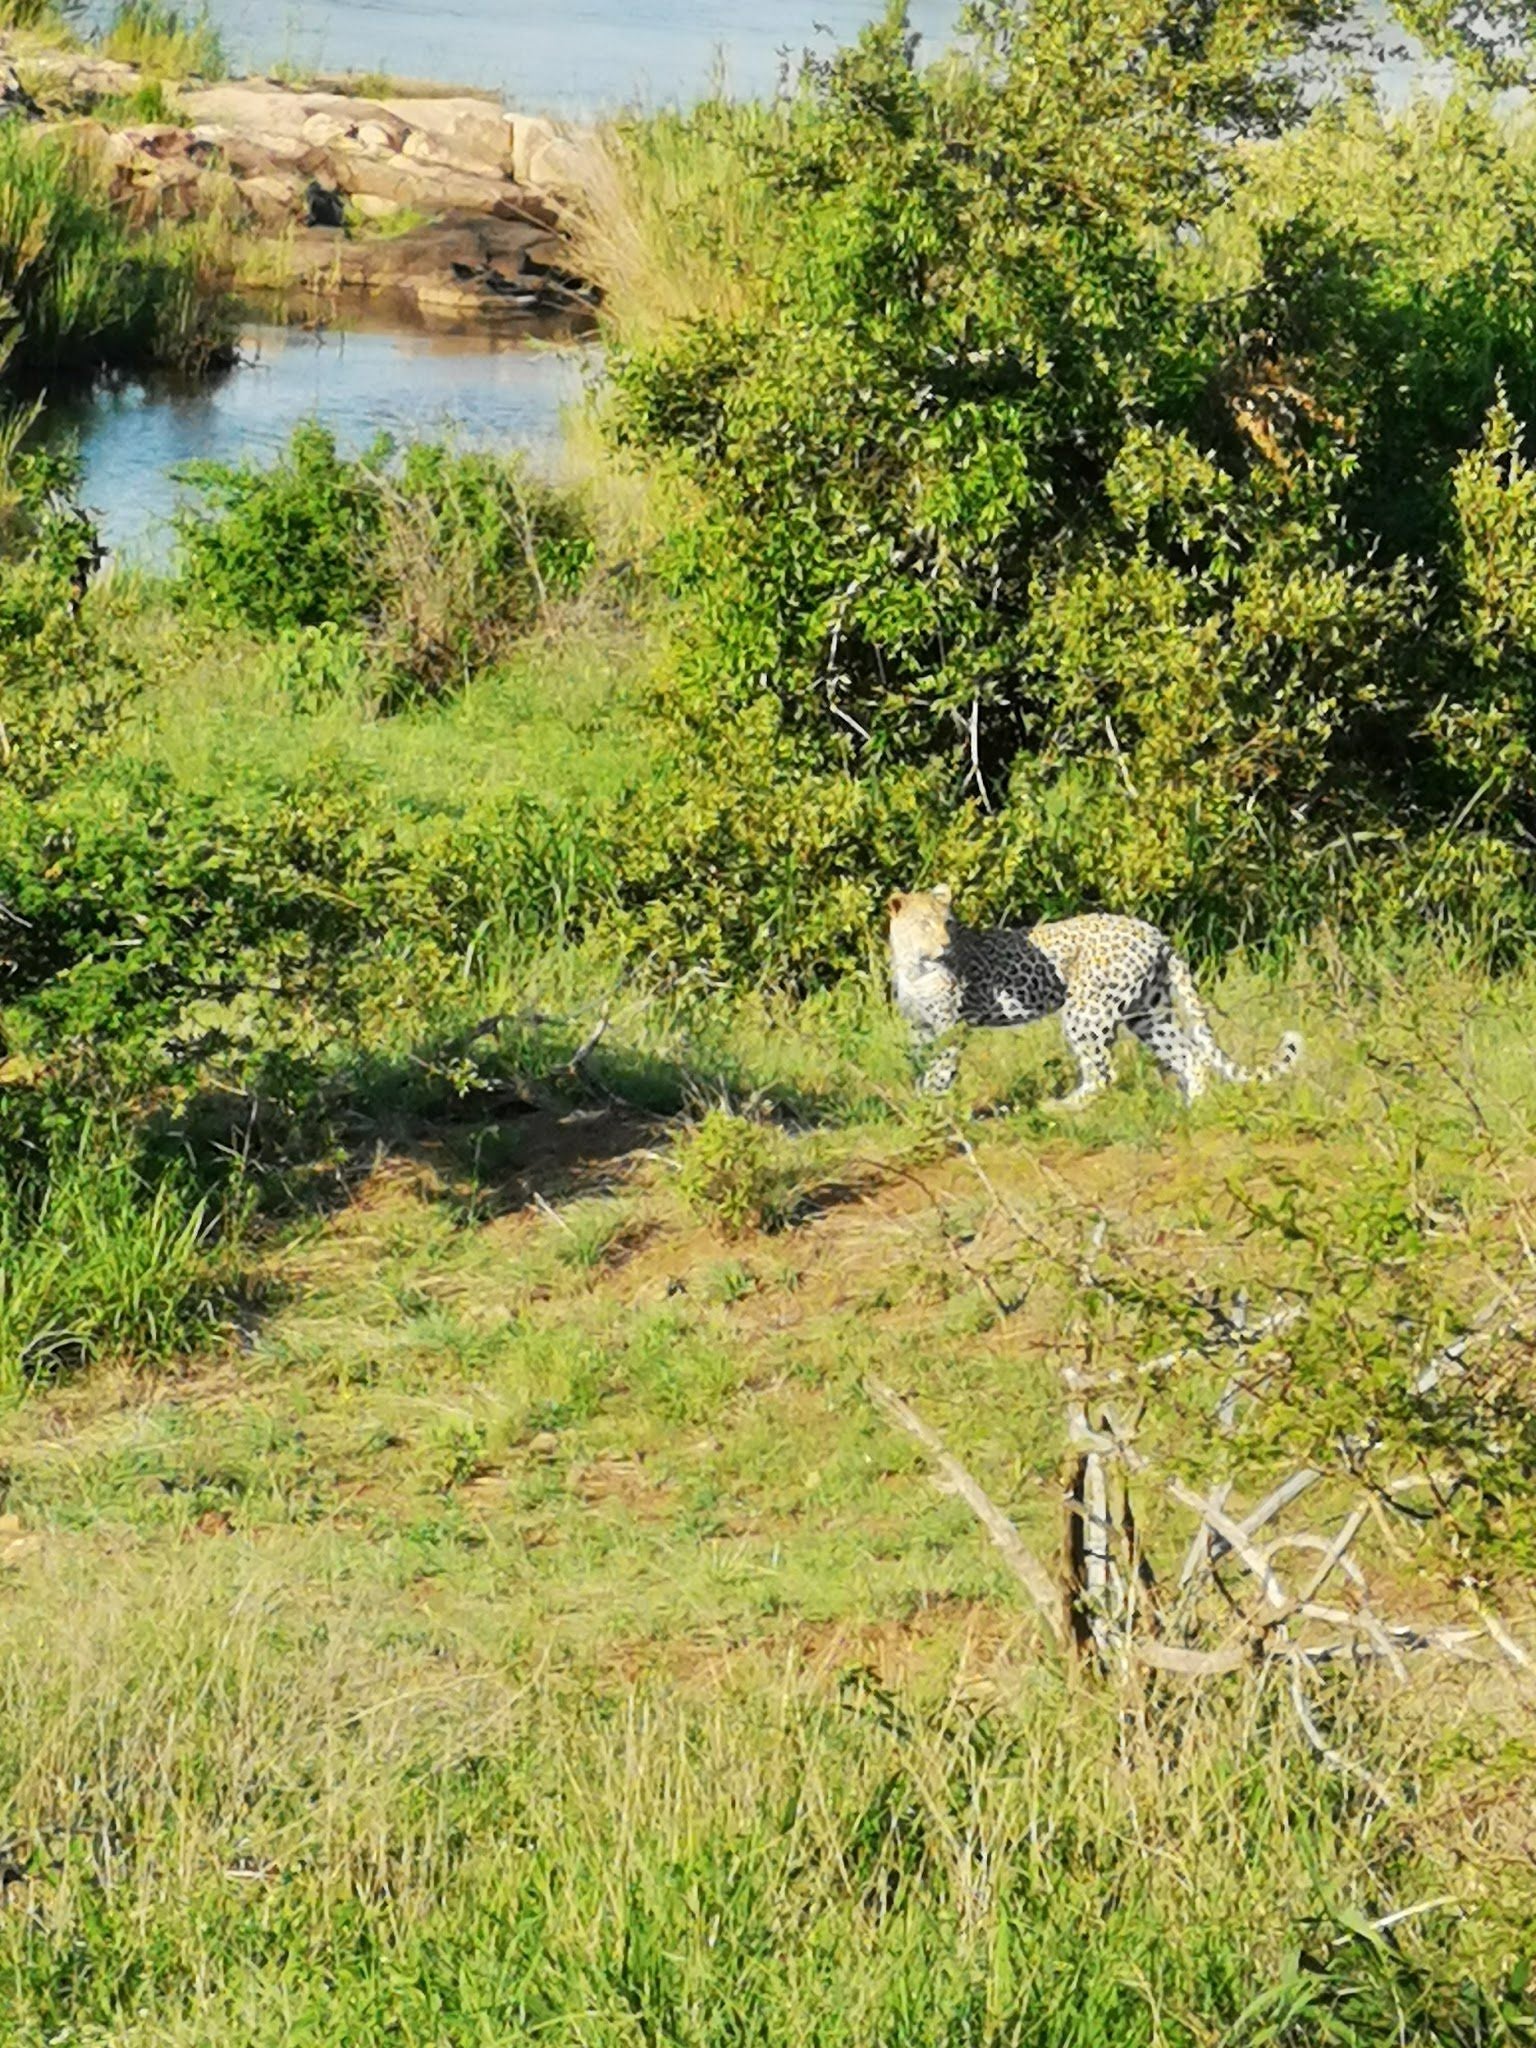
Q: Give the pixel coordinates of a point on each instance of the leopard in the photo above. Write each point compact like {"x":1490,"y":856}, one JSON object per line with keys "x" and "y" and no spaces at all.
{"x":1099,"y":972}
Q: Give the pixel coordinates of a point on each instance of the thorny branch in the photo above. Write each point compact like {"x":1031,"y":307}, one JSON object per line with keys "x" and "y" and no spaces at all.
{"x":1231,"y":1606}
{"x":1098,"y":1591}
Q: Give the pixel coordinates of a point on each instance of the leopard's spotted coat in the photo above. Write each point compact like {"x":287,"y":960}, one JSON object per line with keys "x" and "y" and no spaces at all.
{"x":1102,"y":973}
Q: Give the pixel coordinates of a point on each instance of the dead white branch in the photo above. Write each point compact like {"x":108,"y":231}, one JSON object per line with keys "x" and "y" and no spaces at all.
{"x":1334,"y":1555}
{"x":1198,"y":1557}
{"x":1235,"y":1536}
{"x":1275,"y":1503}
{"x":1335,"y":1759}
{"x":1096,"y":1542}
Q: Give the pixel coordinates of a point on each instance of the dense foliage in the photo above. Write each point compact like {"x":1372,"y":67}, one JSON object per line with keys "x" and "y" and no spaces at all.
{"x":444,"y":564}
{"x":158,"y":941}
{"x":137,"y":911}
{"x":62,"y":689}
{"x":1064,"y":496}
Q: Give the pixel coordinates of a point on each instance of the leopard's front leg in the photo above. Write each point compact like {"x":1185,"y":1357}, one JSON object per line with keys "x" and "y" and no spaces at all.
{"x":938,"y":1077}
{"x":939,"y":1050}
{"x":928,"y":996}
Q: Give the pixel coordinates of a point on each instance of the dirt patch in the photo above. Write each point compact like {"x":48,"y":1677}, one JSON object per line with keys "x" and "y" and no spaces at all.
{"x":622,"y":1482}
{"x":561,"y":1156}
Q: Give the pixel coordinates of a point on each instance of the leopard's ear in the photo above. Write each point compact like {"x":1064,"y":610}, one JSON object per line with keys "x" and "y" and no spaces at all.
{"x":897,"y":905}
{"x":942,"y":893}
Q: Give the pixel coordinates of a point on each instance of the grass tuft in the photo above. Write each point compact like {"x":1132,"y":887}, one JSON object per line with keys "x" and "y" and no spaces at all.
{"x":165,"y":42}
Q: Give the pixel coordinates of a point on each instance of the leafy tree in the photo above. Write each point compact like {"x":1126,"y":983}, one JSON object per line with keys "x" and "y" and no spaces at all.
{"x":998,"y":538}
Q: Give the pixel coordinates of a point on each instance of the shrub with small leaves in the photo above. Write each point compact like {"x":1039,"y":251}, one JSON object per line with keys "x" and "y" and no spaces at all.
{"x":731,"y":1176}
{"x":439,"y":564}
{"x":62,"y":688}
{"x":1008,"y":538}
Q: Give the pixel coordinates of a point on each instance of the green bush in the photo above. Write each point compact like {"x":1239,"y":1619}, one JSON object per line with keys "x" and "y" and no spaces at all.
{"x":730,"y":1175}
{"x":999,"y":543}
{"x":143,"y":916}
{"x":444,"y":563}
{"x":194,"y":987}
{"x":287,"y":546}
{"x":314,"y":666}
{"x":62,"y":687}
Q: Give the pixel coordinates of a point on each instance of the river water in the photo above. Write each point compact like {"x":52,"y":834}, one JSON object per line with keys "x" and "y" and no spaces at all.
{"x":576,"y":58}
{"x":134,"y":439}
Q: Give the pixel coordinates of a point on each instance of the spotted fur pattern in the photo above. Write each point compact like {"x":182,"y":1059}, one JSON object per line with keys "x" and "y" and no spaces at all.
{"x":1100,"y":973}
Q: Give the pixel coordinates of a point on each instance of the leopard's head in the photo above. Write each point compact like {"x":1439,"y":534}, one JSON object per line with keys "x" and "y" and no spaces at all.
{"x":922,"y":926}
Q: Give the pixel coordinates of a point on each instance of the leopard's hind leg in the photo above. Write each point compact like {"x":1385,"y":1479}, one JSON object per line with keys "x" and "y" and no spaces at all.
{"x":1154,"y":1022}
{"x":1090,"y":1035}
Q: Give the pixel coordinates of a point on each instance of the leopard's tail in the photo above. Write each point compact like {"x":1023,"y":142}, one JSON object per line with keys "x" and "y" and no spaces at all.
{"x":1198,"y":1027}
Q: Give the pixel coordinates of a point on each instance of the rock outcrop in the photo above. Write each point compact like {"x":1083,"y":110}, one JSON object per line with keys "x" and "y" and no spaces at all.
{"x":446,"y":200}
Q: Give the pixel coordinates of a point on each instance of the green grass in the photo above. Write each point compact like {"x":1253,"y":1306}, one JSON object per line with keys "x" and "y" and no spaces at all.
{"x":461,"y":1845}
{"x":454,"y":1586}
{"x":529,"y":1628}
{"x":225,"y":706}
{"x":165,"y":42}
{"x":148,"y":103}
{"x":102,"y":1260}
{"x":669,"y":225}
{"x":31,"y":15}
{"x":84,"y":289}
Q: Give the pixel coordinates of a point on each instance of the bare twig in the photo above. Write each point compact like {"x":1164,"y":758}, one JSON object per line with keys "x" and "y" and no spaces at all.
{"x":1501,"y":1637}
{"x":1096,"y":1567}
{"x":1274,"y":1503}
{"x":1333,"y":1556}
{"x":1304,"y":1539}
{"x":1405,"y":1913}
{"x":1235,"y":1536}
{"x":548,"y":1209}
{"x":588,"y":1045}
{"x":974,"y":735}
{"x":1335,"y":1759}
{"x":1197,"y":1558}
{"x":1185,"y":1663}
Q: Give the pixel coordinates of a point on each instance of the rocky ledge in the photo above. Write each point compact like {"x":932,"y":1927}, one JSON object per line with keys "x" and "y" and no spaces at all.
{"x":447,"y":200}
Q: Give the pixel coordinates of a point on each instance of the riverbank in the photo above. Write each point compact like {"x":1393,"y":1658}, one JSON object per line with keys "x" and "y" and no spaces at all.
{"x":439,"y":199}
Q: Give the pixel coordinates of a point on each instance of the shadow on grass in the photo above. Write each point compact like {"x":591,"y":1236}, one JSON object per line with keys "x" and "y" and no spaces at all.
{"x":500,"y":1116}
{"x":181,"y":1191}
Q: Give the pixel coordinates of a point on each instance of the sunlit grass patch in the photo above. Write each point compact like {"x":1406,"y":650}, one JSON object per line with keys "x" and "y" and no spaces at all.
{"x":103,"y":1254}
{"x":405,"y":1805}
{"x":165,"y":42}
{"x":86,"y":291}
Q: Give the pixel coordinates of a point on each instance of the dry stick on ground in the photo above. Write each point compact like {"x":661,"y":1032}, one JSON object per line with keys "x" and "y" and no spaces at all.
{"x":1385,"y":1639}
{"x":1218,"y":1535}
{"x":1020,"y":1559}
